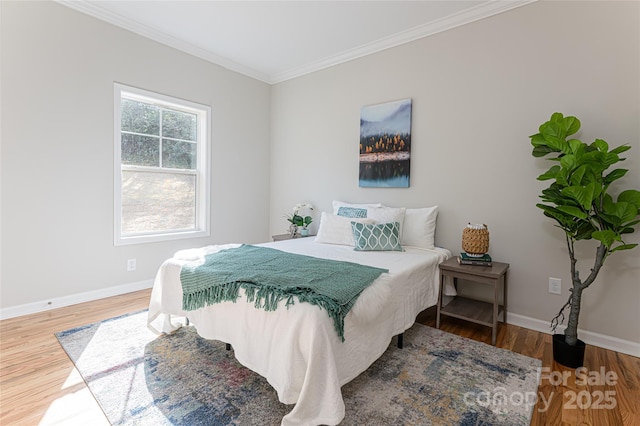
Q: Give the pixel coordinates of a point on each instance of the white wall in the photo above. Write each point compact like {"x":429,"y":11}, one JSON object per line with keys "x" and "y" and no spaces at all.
{"x":58,"y":70}
{"x":478,"y":92}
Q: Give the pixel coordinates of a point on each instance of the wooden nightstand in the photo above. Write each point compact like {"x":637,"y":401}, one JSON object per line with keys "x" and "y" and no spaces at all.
{"x":281,"y":237}
{"x":477,"y":311}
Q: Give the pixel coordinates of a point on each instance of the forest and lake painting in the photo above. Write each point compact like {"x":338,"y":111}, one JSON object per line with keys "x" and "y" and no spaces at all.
{"x":385,"y":144}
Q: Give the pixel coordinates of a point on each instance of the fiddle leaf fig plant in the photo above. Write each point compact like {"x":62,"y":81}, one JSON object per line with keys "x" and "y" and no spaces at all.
{"x":580,"y":201}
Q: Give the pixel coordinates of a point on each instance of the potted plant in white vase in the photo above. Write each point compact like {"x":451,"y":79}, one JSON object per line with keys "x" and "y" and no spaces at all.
{"x":300,"y":223}
{"x":582,"y":203}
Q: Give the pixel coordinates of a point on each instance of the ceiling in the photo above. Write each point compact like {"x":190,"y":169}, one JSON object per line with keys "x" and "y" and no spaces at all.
{"x":274,"y":41}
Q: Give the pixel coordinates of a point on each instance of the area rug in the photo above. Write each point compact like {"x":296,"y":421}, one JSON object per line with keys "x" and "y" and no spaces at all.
{"x":438,"y":378}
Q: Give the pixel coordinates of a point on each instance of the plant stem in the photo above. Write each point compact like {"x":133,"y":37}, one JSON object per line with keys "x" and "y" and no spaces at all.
{"x":571,"y":332}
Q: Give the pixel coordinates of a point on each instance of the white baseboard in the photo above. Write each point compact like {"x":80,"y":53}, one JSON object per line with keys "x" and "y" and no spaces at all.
{"x":73,"y":299}
{"x":596,"y":339}
{"x":608,"y":342}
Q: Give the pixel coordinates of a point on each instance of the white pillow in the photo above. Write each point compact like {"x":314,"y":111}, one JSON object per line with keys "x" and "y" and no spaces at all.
{"x":420,"y":227}
{"x":338,"y":204}
{"x":387,"y":215}
{"x":337,"y":229}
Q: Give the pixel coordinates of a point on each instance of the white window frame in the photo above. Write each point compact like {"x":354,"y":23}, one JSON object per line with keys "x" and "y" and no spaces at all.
{"x":202,"y":172}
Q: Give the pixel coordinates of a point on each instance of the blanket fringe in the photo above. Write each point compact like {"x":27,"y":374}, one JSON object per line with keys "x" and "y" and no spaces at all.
{"x":262,"y":297}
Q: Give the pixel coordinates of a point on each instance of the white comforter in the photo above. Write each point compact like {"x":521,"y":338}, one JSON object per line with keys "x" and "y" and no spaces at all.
{"x":297,"y":349}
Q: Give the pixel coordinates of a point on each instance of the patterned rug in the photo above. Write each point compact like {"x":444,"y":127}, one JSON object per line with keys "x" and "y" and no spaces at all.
{"x":139,"y":378}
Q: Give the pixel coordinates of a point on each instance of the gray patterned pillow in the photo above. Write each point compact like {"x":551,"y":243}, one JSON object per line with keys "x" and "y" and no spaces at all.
{"x":352,"y":212}
{"x":376,"y":237}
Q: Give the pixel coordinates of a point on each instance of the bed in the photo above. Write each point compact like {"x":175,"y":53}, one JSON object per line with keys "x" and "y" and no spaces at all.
{"x":296,"y":348}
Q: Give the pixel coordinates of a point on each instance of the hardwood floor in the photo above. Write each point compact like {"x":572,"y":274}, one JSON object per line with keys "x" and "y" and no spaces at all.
{"x":566,"y":396}
{"x":40,"y":386}
{"x":38,"y":383}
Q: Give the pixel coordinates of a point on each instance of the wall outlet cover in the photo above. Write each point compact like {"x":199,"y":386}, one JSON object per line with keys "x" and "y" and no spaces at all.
{"x":555,"y":285}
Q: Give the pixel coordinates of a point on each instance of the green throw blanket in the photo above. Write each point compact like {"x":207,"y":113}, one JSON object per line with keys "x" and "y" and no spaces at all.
{"x":269,"y":276}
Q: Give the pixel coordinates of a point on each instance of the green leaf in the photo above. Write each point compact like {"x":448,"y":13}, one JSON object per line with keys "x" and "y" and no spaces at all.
{"x":563,"y":177}
{"x":607,"y":203}
{"x":621,"y":149}
{"x":610,"y":158}
{"x":568,"y":161}
{"x":577,"y":175}
{"x":623,"y":211}
{"x":557,"y":144}
{"x":563,"y":219}
{"x":582,"y":194}
{"x":537,"y":140}
{"x":550,"y":129}
{"x":610,"y":220}
{"x":576,"y":145}
{"x":553,"y":194}
{"x":607,"y":237}
{"x":549,"y":174}
{"x":592,"y":156}
{"x":628,"y":227}
{"x":602,"y":145}
{"x":632,"y":223}
{"x":630,"y":196}
{"x":572,"y":125}
{"x":555,"y":135}
{"x":627,"y":211}
{"x":556,"y":117}
{"x":542,"y":150}
{"x":614,"y":175}
{"x":584,"y":230}
{"x":624,"y":247}
{"x":598,"y":161}
{"x":573,"y":211}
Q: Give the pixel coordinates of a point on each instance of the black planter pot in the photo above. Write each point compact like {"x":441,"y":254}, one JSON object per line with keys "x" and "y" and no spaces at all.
{"x":569,"y":356}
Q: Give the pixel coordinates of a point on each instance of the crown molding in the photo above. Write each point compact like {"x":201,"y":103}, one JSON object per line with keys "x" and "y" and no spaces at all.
{"x":485,"y":10}
{"x":481,"y":11}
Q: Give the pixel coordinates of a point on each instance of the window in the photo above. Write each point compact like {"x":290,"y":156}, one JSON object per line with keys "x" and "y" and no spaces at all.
{"x":161,"y":167}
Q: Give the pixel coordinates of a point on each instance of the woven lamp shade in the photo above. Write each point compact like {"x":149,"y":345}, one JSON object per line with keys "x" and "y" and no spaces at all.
{"x":475,"y":239}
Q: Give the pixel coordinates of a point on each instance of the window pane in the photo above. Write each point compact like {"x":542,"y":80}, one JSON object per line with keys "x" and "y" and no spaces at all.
{"x":156,"y":202}
{"x":178,"y":125}
{"x":140,"y":150}
{"x":178,"y":155}
{"x":139,"y":117}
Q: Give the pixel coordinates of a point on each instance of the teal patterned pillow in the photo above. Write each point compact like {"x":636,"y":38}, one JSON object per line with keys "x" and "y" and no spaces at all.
{"x":376,"y":237}
{"x":352,"y":212}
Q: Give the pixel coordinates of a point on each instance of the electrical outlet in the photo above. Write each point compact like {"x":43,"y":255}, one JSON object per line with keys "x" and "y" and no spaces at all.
{"x":131,"y":265}
{"x":555,"y":285}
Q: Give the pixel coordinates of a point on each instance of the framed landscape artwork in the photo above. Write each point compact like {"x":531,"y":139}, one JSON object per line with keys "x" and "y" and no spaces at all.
{"x":385,"y":144}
